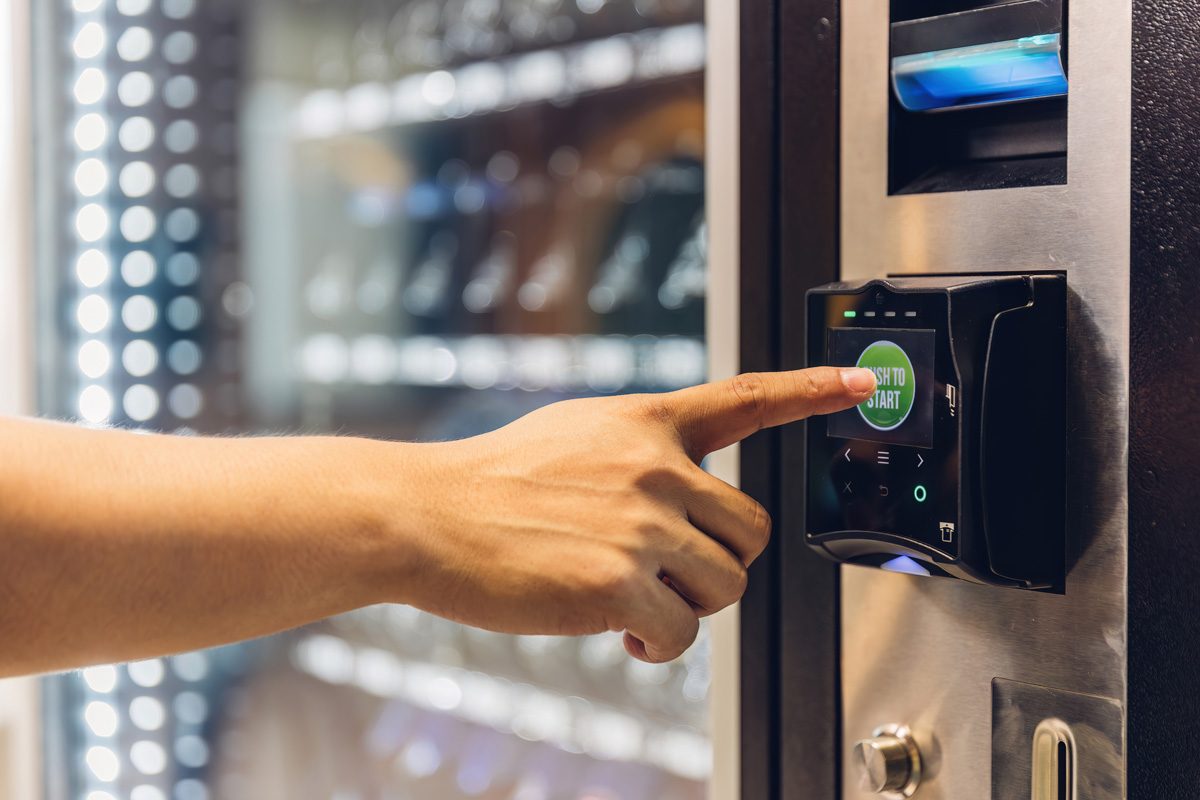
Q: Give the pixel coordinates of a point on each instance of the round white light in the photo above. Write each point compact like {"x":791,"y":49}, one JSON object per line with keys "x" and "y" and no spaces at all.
{"x":103,"y":763}
{"x":86,"y":6}
{"x":135,"y":89}
{"x":138,"y":268}
{"x":178,"y":9}
{"x":138,"y":223}
{"x":148,"y":757}
{"x":131,"y":8}
{"x":95,"y":404}
{"x":191,"y":789}
{"x":237,"y":299}
{"x":179,"y":47}
{"x":183,"y":269}
{"x":184,"y":357}
{"x":140,"y":402}
{"x":91,"y":268}
{"x":182,"y":225}
{"x":89,"y":42}
{"x":149,"y":673}
{"x":147,"y":713}
{"x":96,"y":794}
{"x":190,"y":667}
{"x":90,"y":132}
{"x":91,"y":223}
{"x":438,"y":88}
{"x":191,"y":708}
{"x":95,"y":358}
{"x":325,"y":358}
{"x":101,"y":717}
{"x":183,"y":313}
{"x":93,"y":313}
{"x":180,"y":91}
{"x":185,"y":401}
{"x":90,"y":86}
{"x":191,"y":751}
{"x":136,"y":179}
{"x":181,"y":180}
{"x":91,"y":176}
{"x":102,"y":679}
{"x":136,"y":134}
{"x":147,"y":792}
{"x":140,"y":358}
{"x":135,"y":44}
{"x":139,"y":313}
{"x":181,"y":136}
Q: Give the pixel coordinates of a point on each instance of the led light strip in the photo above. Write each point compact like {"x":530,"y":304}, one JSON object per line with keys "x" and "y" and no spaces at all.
{"x":113,"y":207}
{"x":91,"y":220}
{"x":124,"y":707}
{"x":503,"y":84}
{"x":535,"y":714}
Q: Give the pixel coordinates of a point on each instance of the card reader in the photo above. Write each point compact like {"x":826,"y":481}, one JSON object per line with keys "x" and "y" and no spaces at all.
{"x":956,"y":466}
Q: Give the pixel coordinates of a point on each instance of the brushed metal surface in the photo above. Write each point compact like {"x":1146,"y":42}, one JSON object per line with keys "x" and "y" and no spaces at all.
{"x":924,"y":651}
{"x":1093,"y":728}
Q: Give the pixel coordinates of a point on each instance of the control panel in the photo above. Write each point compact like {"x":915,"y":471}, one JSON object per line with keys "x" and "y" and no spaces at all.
{"x":956,"y":465}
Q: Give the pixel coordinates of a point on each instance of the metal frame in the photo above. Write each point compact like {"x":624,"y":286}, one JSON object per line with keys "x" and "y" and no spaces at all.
{"x":809,"y":255}
{"x":924,"y":652}
{"x":758,"y":337}
{"x":20,"y":737}
{"x":723,"y":319}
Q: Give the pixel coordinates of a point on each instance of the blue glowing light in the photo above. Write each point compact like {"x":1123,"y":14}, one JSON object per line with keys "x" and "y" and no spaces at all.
{"x":986,"y":74}
{"x":906,"y":565}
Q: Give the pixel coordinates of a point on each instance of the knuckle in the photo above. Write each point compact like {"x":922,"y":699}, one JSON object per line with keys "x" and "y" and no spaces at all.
{"x":656,"y":408}
{"x":760,"y":528}
{"x":687,"y":635}
{"x":617,"y":582}
{"x":741,"y":580}
{"x":750,"y":392}
{"x":806,"y":384}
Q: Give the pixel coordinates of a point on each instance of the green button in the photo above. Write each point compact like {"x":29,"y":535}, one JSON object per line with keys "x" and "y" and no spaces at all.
{"x":893,"y":399}
{"x":919,"y":494}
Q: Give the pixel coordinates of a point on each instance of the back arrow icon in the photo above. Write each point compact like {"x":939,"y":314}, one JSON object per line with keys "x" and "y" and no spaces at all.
{"x":847,"y":454}
{"x":920,"y":461}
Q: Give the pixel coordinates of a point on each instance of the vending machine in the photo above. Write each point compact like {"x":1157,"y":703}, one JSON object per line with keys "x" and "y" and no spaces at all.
{"x":407,"y":219}
{"x":981,"y":578}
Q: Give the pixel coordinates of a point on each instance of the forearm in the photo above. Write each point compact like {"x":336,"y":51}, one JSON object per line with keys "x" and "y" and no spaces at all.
{"x":117,"y":546}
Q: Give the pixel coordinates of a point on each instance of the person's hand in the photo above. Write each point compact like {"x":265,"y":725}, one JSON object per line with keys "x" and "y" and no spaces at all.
{"x":594,"y":515}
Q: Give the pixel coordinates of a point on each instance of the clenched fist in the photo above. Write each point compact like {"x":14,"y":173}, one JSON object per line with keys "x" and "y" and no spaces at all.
{"x":594,"y":515}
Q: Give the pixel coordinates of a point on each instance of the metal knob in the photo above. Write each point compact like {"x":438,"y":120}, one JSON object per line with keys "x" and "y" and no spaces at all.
{"x":889,"y":762}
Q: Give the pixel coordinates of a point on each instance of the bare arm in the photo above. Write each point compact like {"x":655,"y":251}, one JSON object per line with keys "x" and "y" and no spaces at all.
{"x":585,"y":516}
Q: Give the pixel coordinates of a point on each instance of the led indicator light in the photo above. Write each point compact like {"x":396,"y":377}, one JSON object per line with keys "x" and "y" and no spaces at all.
{"x":920,"y":494}
{"x":905,"y":565}
{"x":849,"y":314}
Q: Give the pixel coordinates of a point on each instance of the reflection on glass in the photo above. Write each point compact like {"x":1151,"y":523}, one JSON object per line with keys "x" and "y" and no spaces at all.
{"x":414,"y":219}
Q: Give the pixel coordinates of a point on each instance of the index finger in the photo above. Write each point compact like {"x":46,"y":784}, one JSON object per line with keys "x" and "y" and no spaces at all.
{"x":716,"y":415}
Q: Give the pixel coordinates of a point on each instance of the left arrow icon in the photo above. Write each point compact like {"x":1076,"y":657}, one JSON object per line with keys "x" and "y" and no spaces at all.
{"x":847,"y":453}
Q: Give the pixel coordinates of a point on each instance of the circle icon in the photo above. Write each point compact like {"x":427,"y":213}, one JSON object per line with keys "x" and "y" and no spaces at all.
{"x":892,"y":402}
{"x":920,"y":494}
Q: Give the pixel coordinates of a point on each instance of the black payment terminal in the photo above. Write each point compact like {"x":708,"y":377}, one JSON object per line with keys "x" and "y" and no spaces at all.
{"x":956,"y":466}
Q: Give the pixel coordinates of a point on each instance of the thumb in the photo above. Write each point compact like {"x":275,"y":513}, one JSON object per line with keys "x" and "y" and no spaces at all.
{"x":716,"y":415}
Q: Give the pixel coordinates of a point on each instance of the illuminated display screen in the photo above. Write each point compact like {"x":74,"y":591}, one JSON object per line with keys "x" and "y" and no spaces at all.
{"x":901,"y":410}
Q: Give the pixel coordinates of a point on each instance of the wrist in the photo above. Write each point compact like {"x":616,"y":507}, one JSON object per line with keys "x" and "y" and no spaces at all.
{"x":391,"y":502}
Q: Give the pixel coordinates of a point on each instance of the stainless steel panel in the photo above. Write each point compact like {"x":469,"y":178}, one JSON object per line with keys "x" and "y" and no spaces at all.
{"x":923,"y":652}
{"x":1093,"y":728}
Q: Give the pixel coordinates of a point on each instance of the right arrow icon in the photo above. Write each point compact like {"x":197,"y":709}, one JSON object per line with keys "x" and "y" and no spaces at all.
{"x":920,"y":461}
